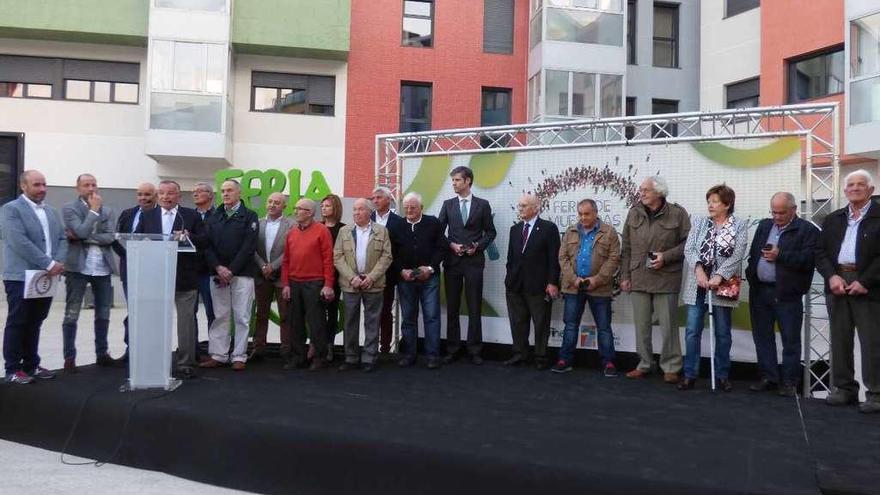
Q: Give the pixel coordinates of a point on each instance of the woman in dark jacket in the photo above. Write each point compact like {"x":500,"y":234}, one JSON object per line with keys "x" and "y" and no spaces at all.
{"x":331,"y":213}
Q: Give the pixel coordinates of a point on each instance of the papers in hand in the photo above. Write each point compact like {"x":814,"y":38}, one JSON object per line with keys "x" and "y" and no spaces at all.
{"x":38,"y":283}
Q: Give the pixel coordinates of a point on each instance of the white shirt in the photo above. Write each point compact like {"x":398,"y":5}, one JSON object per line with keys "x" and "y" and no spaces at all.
{"x":95,"y":266}
{"x":847,"y":255}
{"x":362,"y":238}
{"x":383,"y":219}
{"x":271,"y":233}
{"x":168,"y":217}
{"x":412,"y":225}
{"x":531,"y":224}
{"x":40,"y":212}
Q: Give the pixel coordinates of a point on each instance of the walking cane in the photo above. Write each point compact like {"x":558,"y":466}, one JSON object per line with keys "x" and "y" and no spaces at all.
{"x":711,"y":336}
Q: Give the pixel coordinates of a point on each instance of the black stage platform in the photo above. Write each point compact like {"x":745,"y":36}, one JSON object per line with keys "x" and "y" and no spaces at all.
{"x":459,"y":430}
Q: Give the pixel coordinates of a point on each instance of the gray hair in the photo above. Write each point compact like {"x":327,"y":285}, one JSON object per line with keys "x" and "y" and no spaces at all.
{"x":310,"y":204}
{"x":237,"y":184}
{"x":204,"y":185}
{"x":660,"y":185}
{"x":366,"y":202}
{"x":790,"y":200}
{"x":413,"y":196}
{"x":384,"y":190}
{"x":860,"y":172}
{"x":588,"y":201}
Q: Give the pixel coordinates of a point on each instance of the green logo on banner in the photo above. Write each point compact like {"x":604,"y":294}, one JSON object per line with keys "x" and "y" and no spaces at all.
{"x":259,"y":184}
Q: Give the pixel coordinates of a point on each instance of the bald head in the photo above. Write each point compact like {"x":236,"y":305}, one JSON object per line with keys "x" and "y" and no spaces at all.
{"x":146,"y":196}
{"x":33,"y":185}
{"x":528,"y":207}
{"x":275,"y":205}
{"x":783,"y":208}
{"x":361,"y":210}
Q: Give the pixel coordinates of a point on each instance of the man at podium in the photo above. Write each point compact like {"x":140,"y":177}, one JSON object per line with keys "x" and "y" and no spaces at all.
{"x":171,"y":219}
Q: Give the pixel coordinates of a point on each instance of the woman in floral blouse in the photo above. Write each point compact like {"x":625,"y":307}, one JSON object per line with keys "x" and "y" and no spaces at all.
{"x":715,"y":249}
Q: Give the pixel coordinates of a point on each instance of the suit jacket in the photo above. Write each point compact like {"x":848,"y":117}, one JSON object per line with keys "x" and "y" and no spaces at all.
{"x":124,"y":226}
{"x":378,"y":257}
{"x":24,"y":241}
{"x":477,"y":227}
{"x":394,"y":225}
{"x":867,"y":248}
{"x":187,"y":263}
{"x":89,"y":230}
{"x":796,"y":259}
{"x":530,"y":270}
{"x":276,"y":254}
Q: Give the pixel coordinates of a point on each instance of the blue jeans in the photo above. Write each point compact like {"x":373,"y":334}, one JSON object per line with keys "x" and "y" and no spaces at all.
{"x":693,"y":336}
{"x":766,"y":310}
{"x":574,"y":310}
{"x":427,"y":294}
{"x":76,"y":290}
{"x":22,"y":334}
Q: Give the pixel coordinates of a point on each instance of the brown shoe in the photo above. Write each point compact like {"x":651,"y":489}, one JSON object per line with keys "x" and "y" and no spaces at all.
{"x":238,"y":366}
{"x":671,"y":378}
{"x":70,"y":366}
{"x":210,"y":363}
{"x":637,"y":373}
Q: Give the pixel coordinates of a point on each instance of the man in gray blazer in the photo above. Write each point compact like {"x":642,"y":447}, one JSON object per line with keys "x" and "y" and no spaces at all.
{"x":267,"y":282}
{"x":90,"y":227}
{"x":33,"y":239}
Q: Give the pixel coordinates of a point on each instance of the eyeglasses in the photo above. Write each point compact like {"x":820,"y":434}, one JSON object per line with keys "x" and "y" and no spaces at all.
{"x":779,"y":213}
{"x":300,"y":208}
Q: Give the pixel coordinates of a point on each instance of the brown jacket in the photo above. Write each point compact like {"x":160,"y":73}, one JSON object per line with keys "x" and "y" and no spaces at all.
{"x":667,"y":233}
{"x":378,"y":257}
{"x":604,"y":261}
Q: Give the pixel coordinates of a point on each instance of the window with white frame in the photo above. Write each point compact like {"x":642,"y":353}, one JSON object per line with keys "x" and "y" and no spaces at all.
{"x":571,"y":94}
{"x":201,"y":5}
{"x":864,"y":67}
{"x":187,"y":85}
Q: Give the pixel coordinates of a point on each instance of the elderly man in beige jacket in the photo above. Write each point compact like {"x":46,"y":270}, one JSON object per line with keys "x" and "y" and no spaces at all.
{"x":362,"y":255}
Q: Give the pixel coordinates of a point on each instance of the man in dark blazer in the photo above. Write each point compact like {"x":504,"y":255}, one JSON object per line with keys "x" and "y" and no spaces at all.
{"x":469,"y":228}
{"x":383,"y":216}
{"x":532,"y":280}
{"x":267,"y":277}
{"x":127,"y":223}
{"x":33,"y":239}
{"x":171,"y":219}
{"x":848,"y":256}
{"x":780,"y":271}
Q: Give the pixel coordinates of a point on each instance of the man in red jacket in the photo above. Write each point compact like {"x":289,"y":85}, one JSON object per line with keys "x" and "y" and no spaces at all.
{"x":308,"y":272}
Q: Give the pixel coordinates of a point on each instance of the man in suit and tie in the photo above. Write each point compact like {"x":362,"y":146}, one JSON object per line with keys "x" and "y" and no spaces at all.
{"x":89,"y":225}
{"x":393,"y":222}
{"x":128,"y":222}
{"x":179,"y":222}
{"x":532,"y":280}
{"x":267,"y":281}
{"x":33,"y":239}
{"x":362,"y":255}
{"x":469,"y":228}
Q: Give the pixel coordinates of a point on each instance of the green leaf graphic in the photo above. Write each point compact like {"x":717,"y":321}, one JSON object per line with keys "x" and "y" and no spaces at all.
{"x":749,"y":158}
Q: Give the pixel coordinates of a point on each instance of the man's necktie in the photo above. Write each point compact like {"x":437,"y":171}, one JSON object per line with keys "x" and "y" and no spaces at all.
{"x":464,"y":211}
{"x":525,"y":237}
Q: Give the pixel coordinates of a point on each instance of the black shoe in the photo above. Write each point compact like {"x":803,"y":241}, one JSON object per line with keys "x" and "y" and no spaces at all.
{"x":686,"y":384}
{"x":764,"y":385}
{"x":105,"y":360}
{"x":406,"y":362}
{"x":368,"y":367}
{"x":476,"y":359}
{"x":122,"y":362}
{"x":450,"y":358}
{"x":787,"y":391}
{"x":870,"y":407}
{"x":841,"y":397}
{"x":725,"y":385}
{"x":347,"y":366}
{"x":514,"y":361}
{"x":256,"y":357}
{"x":433,"y":363}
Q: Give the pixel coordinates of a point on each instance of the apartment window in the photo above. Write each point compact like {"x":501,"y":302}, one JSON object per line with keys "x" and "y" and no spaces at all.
{"x":415,"y":107}
{"x":816,"y":76}
{"x":584,"y":26}
{"x":576,"y":94}
{"x":11,"y":164}
{"x":661,"y":107}
{"x":498,"y":26}
{"x":202,"y":5}
{"x":666,"y":35}
{"x":743,"y":94}
{"x":535,"y":92}
{"x":631,"y":20}
{"x":418,"y":23}
{"x":495,"y":109}
{"x":293,"y":93}
{"x":734,"y":7}
{"x":25,"y":90}
{"x":536,"y":29}
{"x":630,"y":131}
{"x":185,"y":66}
{"x":864,"y":53}
{"x":100,"y":91}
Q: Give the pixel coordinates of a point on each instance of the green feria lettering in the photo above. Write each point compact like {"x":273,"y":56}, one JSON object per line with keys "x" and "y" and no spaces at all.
{"x":257,"y":185}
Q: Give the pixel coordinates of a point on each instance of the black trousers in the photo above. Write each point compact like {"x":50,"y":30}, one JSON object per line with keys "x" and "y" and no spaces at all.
{"x":306,"y":308}
{"x":523,"y":311}
{"x":849,"y":313}
{"x":465,"y":275}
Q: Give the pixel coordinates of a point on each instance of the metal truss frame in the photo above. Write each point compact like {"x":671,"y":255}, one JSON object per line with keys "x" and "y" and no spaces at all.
{"x":817,"y":126}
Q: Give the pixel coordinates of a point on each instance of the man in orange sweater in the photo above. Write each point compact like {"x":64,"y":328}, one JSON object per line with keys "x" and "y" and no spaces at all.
{"x":307,"y":270}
